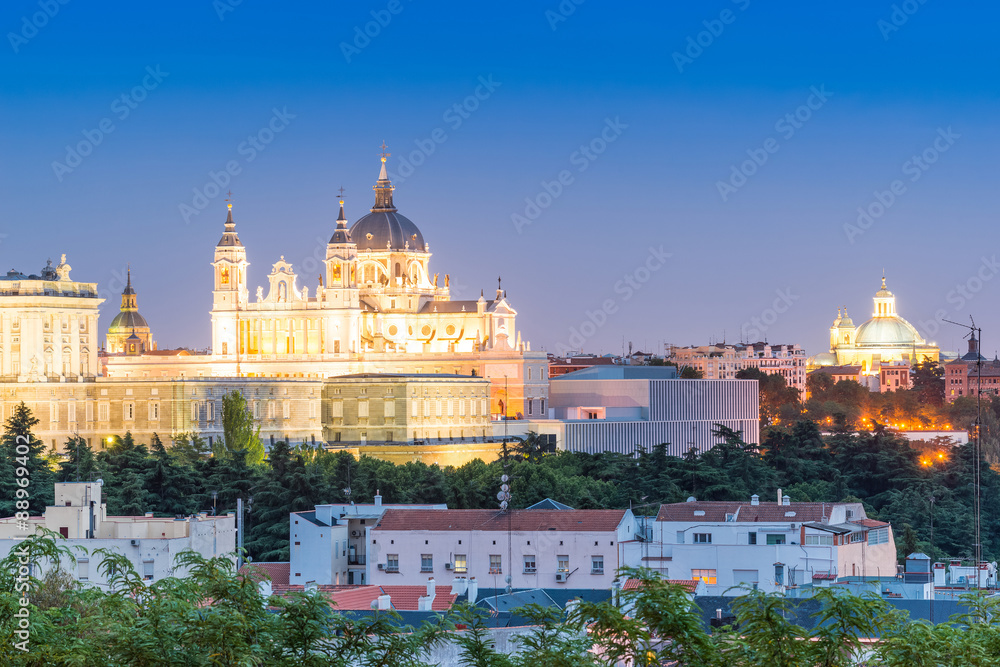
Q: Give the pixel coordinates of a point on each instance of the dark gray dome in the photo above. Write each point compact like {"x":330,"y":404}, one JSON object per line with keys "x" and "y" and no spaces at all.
{"x":381,"y":229}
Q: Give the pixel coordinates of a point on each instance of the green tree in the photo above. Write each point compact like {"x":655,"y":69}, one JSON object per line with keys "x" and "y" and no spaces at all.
{"x":239,"y":431}
{"x":23,"y":457}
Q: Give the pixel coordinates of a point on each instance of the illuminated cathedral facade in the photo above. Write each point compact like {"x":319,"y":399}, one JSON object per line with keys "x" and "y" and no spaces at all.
{"x":886,"y":338}
{"x":376,"y":308}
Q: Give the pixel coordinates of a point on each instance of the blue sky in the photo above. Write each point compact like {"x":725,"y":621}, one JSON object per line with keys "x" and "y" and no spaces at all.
{"x":893,"y":79}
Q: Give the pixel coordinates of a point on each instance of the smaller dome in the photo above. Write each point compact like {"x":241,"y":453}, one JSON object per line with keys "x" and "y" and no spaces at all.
{"x":822,"y":359}
{"x":127,"y":320}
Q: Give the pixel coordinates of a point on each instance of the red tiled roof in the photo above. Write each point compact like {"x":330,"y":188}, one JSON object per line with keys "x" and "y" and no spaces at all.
{"x":716,"y":511}
{"x":403,"y":598}
{"x":635,"y":584}
{"x":352,"y":597}
{"x":278,"y":572}
{"x":870,"y":523}
{"x":520,"y":520}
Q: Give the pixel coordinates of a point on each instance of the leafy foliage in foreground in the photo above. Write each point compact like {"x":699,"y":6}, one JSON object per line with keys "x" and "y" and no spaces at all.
{"x":215,"y":617}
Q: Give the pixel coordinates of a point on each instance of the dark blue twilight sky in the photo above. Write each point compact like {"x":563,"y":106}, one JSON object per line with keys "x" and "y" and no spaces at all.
{"x":918,"y":80}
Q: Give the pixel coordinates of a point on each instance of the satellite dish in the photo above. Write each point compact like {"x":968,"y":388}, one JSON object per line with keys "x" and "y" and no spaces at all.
{"x":505,"y":488}
{"x":501,"y":495}
{"x":503,"y":505}
{"x":504,"y":478}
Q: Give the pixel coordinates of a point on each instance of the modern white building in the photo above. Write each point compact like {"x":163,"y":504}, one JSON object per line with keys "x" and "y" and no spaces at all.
{"x":770,"y":545}
{"x":620,"y":408}
{"x":150,"y":543}
{"x":580,"y":549}
{"x":328,"y":543}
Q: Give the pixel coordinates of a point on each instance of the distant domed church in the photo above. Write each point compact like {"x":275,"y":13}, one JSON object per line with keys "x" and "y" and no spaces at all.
{"x":129,"y":332}
{"x":886,"y":338}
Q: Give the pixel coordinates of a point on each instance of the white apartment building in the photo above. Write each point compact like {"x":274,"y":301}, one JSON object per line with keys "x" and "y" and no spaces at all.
{"x":149,"y":542}
{"x":527,"y":548}
{"x":722,"y":362}
{"x":772,"y":546}
{"x":328,"y":543}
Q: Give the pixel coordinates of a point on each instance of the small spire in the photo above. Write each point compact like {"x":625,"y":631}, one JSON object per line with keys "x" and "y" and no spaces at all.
{"x":383,"y":176}
{"x":229,"y":205}
{"x":128,"y":270}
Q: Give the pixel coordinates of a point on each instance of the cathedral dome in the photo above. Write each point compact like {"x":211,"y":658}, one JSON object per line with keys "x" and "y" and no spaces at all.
{"x":888,"y":331}
{"x":381,"y":230}
{"x":384,"y":228}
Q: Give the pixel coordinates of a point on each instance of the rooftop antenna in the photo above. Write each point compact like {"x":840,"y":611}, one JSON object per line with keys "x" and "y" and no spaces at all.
{"x":977,"y":334}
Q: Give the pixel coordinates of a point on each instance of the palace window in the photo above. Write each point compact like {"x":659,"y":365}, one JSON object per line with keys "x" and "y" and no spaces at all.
{"x":102,"y":412}
{"x":128,"y":411}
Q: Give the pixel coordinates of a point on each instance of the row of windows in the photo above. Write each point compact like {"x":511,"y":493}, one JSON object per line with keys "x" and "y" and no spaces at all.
{"x":706,"y":538}
{"x":460,"y":565}
{"x":103,"y":411}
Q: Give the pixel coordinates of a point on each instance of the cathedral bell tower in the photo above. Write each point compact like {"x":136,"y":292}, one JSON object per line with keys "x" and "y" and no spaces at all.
{"x":230,"y":292}
{"x":341,"y":265}
{"x":230,"y":269}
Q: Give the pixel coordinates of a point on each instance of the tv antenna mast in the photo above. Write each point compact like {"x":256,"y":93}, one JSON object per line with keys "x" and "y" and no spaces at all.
{"x":976,"y":334}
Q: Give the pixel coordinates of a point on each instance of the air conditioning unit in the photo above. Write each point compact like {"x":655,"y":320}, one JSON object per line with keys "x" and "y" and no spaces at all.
{"x":448,"y":566}
{"x":134,"y":543}
{"x":381,"y":566}
{"x":561,"y":577}
{"x":354,"y":533}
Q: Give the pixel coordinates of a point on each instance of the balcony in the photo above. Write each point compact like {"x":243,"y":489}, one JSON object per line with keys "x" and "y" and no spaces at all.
{"x":356,"y":560}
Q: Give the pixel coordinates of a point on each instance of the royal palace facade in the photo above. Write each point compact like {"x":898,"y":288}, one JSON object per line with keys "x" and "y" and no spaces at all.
{"x":439,"y":369}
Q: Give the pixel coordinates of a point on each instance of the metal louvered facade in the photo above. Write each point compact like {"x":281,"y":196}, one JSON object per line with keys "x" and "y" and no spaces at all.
{"x":682,"y":413}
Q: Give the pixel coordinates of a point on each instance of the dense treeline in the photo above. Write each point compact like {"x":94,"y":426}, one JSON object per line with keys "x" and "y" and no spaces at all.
{"x":213,"y":616}
{"x":895,"y":481}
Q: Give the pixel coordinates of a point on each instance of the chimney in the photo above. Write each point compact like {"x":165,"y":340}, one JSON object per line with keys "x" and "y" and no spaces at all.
{"x":779,"y":496}
{"x":266,"y":590}
{"x":786,"y":500}
{"x":378,"y":499}
{"x":430,"y":587}
{"x":473,"y":590}
{"x":310,"y":586}
{"x":459,"y":585}
{"x":384,"y":602}
{"x":755,"y":499}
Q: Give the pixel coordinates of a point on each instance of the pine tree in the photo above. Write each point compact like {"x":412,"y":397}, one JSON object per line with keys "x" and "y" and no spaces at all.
{"x":24,"y":457}
{"x":79,"y":464}
{"x":171,"y":486}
